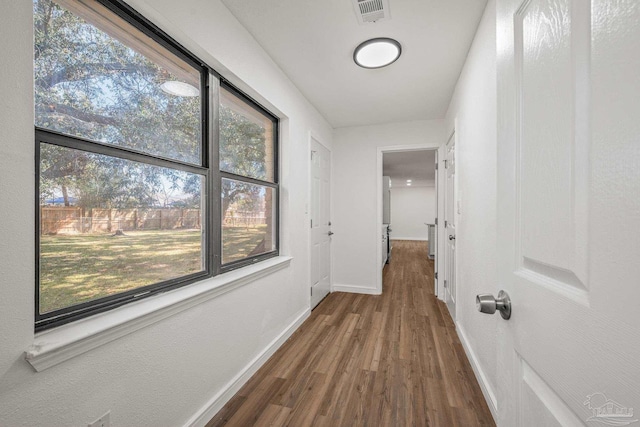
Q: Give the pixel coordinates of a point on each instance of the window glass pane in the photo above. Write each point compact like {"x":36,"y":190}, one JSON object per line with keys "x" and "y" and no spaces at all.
{"x":109,"y":225}
{"x":246,"y":139}
{"x":98,"y":77}
{"x":248,"y":220}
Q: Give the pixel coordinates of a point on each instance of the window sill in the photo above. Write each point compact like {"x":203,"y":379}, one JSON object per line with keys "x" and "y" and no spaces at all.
{"x":65,"y":342}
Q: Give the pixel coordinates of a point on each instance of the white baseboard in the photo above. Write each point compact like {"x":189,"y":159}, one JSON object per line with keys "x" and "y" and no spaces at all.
{"x":213,"y":406}
{"x":354,"y":289}
{"x":419,"y":239}
{"x":487,"y":391}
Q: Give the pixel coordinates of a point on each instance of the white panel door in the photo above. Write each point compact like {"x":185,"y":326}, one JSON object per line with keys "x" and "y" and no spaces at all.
{"x":569,"y":212}
{"x":434,"y":242}
{"x":450,"y":227}
{"x":320,"y":222}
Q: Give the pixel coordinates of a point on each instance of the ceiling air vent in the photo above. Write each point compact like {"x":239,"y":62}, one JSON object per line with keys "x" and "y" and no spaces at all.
{"x":371,"y":10}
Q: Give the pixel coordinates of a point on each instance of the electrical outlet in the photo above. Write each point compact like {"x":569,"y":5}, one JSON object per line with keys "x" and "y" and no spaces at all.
{"x":103,"y":421}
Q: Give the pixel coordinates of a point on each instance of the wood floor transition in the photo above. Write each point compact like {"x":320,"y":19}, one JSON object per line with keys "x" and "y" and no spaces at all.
{"x":363,"y":360}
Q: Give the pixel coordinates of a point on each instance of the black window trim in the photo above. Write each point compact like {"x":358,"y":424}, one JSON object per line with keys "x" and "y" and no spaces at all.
{"x":69,"y":141}
{"x":233,"y":265}
{"x":211,"y":81}
{"x":275,"y":184}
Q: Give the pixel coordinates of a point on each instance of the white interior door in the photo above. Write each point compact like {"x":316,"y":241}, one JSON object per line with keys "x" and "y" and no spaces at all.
{"x":450,"y":227}
{"x":569,"y":211}
{"x":320,"y":222}
{"x":434,"y":244}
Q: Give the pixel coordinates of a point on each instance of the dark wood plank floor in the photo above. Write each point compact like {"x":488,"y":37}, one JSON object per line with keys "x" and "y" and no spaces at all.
{"x":362,"y":360}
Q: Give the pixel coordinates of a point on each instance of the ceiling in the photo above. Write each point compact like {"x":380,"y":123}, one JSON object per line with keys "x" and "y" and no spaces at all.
{"x":418,"y":166}
{"x":313,"y":43}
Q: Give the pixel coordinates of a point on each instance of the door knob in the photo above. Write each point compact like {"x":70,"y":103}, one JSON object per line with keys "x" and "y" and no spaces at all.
{"x":330,"y":233}
{"x":487,"y":303}
{"x":452,"y":237}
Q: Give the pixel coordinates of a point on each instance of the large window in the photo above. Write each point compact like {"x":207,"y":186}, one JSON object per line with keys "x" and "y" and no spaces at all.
{"x":130,"y":200}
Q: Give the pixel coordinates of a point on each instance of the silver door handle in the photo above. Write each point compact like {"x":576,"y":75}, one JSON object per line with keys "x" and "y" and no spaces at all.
{"x":487,"y":303}
{"x":330,"y":233}
{"x":452,"y":237}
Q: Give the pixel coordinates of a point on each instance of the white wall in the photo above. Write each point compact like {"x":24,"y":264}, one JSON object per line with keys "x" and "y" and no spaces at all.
{"x":165,"y":373}
{"x":411,"y":208}
{"x":356,"y":216}
{"x":473,"y":113}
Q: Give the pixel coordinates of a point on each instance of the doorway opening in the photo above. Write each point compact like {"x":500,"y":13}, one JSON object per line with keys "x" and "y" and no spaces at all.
{"x":408,"y":208}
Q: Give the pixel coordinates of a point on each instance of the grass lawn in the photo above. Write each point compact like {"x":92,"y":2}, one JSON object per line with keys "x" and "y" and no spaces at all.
{"x":238,"y":242}
{"x":80,"y":268}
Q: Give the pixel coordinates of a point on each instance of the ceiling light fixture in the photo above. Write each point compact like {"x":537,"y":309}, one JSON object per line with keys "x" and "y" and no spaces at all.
{"x":409,"y":180}
{"x":377,"y":53}
{"x":176,"y":88}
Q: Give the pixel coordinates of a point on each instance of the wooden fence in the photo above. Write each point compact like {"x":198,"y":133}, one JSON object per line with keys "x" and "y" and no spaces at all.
{"x":75,"y":220}
{"x":244,"y":218}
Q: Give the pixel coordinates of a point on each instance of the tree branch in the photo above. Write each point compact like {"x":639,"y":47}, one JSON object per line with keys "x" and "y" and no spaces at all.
{"x":84,"y":71}
{"x":79,"y":114}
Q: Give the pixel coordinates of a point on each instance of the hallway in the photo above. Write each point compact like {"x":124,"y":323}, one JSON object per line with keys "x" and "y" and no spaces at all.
{"x":389,"y":360}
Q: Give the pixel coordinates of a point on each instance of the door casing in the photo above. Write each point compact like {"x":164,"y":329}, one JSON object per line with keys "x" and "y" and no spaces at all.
{"x":320,"y":281}
{"x":449,"y":225}
{"x":380,"y":154}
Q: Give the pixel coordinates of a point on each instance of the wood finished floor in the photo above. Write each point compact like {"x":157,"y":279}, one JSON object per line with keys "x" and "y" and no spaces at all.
{"x":363,"y":360}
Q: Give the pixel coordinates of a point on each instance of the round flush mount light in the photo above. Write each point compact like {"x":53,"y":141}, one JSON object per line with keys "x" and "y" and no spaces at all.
{"x":377,"y":53}
{"x":177,"y":88}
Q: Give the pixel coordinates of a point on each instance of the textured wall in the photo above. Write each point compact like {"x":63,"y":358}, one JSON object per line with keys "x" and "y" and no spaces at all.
{"x":411,"y":208}
{"x":163,"y":374}
{"x":473,"y":110}
{"x":355,"y":194}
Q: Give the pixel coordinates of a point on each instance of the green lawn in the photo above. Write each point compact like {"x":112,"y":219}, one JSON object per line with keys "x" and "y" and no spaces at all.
{"x":79,"y":268}
{"x":238,"y":242}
